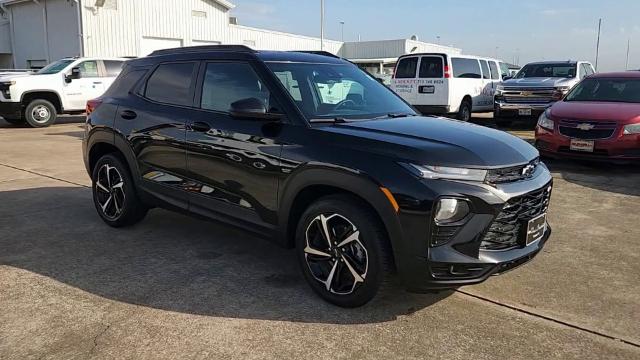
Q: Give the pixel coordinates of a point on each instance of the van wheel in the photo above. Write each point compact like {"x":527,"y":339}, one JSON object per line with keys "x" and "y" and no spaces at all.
{"x":40,"y":113}
{"x":343,"y":251}
{"x":464,"y":113}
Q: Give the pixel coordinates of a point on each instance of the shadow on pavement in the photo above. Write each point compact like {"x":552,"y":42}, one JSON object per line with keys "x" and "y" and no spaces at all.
{"x":171,"y":262}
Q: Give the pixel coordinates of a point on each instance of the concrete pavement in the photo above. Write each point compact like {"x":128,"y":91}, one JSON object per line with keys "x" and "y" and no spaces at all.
{"x":176,"y":287}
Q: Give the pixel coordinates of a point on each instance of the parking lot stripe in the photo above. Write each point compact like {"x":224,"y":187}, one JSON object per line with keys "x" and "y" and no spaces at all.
{"x":44,"y":175}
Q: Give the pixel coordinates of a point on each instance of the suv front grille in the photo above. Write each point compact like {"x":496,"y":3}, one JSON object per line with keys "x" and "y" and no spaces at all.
{"x":593,"y":130}
{"x":528,"y":95}
{"x":513,"y":173}
{"x":505,"y":230}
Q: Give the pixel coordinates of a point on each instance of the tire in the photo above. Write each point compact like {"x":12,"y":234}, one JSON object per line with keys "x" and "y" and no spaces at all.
{"x":14,"y":121}
{"x":361,"y":267}
{"x":118,"y":205}
{"x":40,"y":113}
{"x":465,"y":111}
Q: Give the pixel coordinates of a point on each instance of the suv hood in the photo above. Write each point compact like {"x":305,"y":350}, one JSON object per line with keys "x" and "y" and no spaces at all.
{"x":540,"y":81}
{"x":437,"y":141}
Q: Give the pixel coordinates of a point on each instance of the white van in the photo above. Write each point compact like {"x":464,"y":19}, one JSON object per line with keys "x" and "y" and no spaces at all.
{"x":448,"y":84}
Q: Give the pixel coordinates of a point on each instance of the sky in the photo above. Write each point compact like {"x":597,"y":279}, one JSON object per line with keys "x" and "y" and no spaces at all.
{"x":528,"y":30}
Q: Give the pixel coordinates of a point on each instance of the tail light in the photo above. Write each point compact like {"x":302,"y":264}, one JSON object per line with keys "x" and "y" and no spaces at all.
{"x":92,"y":105}
{"x":447,"y":72}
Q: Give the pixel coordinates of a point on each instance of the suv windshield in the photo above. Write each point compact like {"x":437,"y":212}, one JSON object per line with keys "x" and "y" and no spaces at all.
{"x":328,"y":91}
{"x":607,"y":90}
{"x":55,"y":67}
{"x":560,"y":70}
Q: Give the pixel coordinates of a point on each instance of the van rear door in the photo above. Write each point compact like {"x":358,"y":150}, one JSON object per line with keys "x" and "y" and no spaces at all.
{"x":432,"y":86}
{"x":404,"y":81}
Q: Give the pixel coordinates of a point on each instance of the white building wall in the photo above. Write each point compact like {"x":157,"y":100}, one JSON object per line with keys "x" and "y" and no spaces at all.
{"x":374,"y":49}
{"x":419,"y":47}
{"x":110,"y":31}
{"x":261,"y":39}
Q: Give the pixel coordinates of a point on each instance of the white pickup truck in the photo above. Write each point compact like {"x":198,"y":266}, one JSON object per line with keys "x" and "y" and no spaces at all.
{"x":62,"y":87}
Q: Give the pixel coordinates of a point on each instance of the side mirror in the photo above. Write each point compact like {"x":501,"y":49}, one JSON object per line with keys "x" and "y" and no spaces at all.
{"x":252,"y":109}
{"x":507,"y":77}
{"x":75,"y":74}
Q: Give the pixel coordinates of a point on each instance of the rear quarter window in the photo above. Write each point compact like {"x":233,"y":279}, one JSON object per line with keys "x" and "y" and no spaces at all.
{"x":125,"y":82}
{"x":407,"y":68}
{"x":431,"y":67}
{"x":466,"y":68}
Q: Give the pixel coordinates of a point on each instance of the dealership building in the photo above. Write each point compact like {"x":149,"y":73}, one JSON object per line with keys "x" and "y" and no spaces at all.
{"x":34,"y":33}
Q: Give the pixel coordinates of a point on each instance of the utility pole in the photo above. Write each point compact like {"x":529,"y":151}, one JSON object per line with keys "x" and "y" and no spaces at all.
{"x":438,"y":38}
{"x":598,"y":43}
{"x":626,"y":65}
{"x":342,"y":29}
{"x":321,"y":24}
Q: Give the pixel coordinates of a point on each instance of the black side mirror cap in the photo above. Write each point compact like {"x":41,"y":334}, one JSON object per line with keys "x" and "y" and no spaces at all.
{"x":507,"y":77}
{"x":252,"y":109}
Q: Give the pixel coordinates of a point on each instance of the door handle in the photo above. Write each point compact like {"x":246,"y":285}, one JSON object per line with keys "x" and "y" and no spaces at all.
{"x":200,"y":126}
{"x":128,"y":114}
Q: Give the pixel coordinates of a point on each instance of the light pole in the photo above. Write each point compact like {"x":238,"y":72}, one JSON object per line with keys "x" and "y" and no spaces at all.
{"x":626,"y":66}
{"x":321,"y":24}
{"x":598,"y":43}
{"x":342,"y":29}
{"x":438,"y":39}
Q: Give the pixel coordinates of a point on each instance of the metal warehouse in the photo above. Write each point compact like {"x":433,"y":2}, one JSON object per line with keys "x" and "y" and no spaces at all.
{"x":36,"y":32}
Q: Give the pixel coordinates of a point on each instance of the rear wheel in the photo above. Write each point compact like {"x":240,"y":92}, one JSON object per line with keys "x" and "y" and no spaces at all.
{"x":343,"y":251}
{"x":40,"y":113}
{"x":114,"y":193}
{"x":465,"y":111}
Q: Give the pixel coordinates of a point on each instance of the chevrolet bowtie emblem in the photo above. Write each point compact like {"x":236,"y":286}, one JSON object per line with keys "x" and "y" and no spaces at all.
{"x":585,"y":126}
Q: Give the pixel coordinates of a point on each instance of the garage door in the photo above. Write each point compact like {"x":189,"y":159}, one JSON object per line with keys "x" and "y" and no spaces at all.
{"x":151,"y":44}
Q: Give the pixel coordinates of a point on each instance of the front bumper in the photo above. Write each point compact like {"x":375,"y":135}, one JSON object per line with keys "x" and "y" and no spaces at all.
{"x":463,"y":260}
{"x":621,"y":149}
{"x":504,"y":109}
{"x":12,"y":110}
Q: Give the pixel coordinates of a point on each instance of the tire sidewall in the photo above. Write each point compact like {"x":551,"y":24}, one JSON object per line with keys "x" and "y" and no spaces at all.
{"x":461,"y":113}
{"x":128,"y":188}
{"x":32,"y":122}
{"x":370,"y":238}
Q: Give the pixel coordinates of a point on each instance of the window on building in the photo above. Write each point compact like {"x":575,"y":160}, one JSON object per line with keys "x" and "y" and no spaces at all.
{"x":466,"y":68}
{"x":431,"y":67}
{"x":226,"y":83}
{"x":495,"y":74}
{"x":113,"y":67}
{"x":199,"y":14}
{"x":406,"y":68}
{"x":485,"y":69}
{"x":88,"y":69}
{"x":171,"y":84}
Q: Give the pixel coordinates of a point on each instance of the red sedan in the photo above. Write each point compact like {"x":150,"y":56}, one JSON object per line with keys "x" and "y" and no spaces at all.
{"x":598,"y":119}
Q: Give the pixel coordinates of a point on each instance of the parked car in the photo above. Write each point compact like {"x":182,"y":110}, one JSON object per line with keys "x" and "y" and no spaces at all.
{"x":63,"y":86}
{"x":316,"y":154}
{"x":598,"y":119}
{"x":448,"y":84}
{"x":536,"y":87}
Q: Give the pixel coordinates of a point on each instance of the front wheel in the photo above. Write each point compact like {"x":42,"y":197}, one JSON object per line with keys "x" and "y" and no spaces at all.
{"x":40,"y":113}
{"x":114,"y":193}
{"x":343,"y":251}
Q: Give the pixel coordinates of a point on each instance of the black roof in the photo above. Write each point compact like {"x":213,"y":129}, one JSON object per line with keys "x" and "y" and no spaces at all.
{"x":237,"y":52}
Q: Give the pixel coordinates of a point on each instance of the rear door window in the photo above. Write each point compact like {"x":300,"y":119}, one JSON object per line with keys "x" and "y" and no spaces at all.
{"x":495,"y":74}
{"x":406,"y":68}
{"x":172,"y":84}
{"x":431,"y":67}
{"x":485,"y":69}
{"x":466,"y":68}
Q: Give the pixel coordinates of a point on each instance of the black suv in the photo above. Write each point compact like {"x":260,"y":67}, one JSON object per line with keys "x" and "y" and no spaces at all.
{"x":309,"y":150}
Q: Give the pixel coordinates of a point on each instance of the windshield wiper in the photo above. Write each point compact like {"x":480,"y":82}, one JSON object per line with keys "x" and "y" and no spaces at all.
{"x":394,"y":116}
{"x":335,"y":120}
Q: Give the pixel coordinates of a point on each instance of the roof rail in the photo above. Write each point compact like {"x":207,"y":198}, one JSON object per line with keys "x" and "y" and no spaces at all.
{"x":203,"y":48}
{"x":317,"y":52}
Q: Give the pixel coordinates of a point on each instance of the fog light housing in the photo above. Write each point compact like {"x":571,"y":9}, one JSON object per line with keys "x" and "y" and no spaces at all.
{"x":450,"y":210}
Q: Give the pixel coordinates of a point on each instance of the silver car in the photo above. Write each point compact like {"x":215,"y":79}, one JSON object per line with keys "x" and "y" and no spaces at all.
{"x":536,"y":87}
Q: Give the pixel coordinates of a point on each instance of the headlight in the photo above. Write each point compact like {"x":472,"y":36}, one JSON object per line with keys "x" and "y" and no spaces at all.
{"x":450,"y":210}
{"x":500,"y":88}
{"x":449,"y":173}
{"x":544,"y":122}
{"x":631,"y":129}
